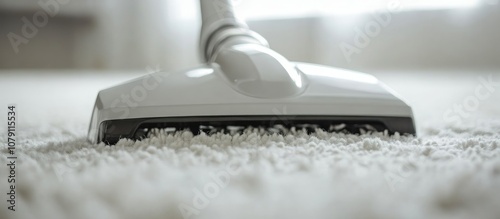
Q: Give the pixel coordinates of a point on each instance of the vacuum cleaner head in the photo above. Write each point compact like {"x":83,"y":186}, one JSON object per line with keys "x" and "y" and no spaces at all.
{"x":205,"y":100}
{"x":246,"y":84}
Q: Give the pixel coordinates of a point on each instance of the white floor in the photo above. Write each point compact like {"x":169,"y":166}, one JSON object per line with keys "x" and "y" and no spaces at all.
{"x":452,"y":170}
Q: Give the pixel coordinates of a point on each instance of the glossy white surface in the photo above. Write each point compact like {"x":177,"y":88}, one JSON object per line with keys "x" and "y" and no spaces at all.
{"x":204,"y":92}
{"x":257,"y":71}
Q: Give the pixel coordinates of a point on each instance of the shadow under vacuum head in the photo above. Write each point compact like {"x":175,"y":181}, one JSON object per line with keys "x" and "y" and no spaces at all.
{"x":246,"y":84}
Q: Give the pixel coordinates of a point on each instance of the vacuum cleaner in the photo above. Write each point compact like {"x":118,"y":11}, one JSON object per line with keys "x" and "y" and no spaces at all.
{"x":246,"y":84}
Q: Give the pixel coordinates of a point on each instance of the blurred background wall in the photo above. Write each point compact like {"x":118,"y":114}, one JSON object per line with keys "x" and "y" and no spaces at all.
{"x":130,"y":35}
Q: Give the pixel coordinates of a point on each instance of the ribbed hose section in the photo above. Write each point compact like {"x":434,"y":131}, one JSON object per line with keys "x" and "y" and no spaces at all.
{"x":217,"y":15}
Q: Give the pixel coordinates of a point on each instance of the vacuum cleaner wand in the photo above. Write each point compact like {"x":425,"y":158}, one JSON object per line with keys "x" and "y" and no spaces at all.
{"x":218,"y":15}
{"x":260,"y":72}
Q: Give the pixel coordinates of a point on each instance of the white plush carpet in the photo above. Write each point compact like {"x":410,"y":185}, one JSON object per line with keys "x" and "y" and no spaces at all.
{"x":449,"y":171}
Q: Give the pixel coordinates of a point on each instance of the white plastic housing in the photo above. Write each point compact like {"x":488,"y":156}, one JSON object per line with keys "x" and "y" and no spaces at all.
{"x":207,"y":91}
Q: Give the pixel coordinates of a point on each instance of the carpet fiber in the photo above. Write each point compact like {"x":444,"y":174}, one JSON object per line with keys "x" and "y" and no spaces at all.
{"x":451,"y":170}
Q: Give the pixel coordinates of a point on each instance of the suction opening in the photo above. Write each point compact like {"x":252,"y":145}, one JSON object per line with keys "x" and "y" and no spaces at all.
{"x":136,"y":129}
